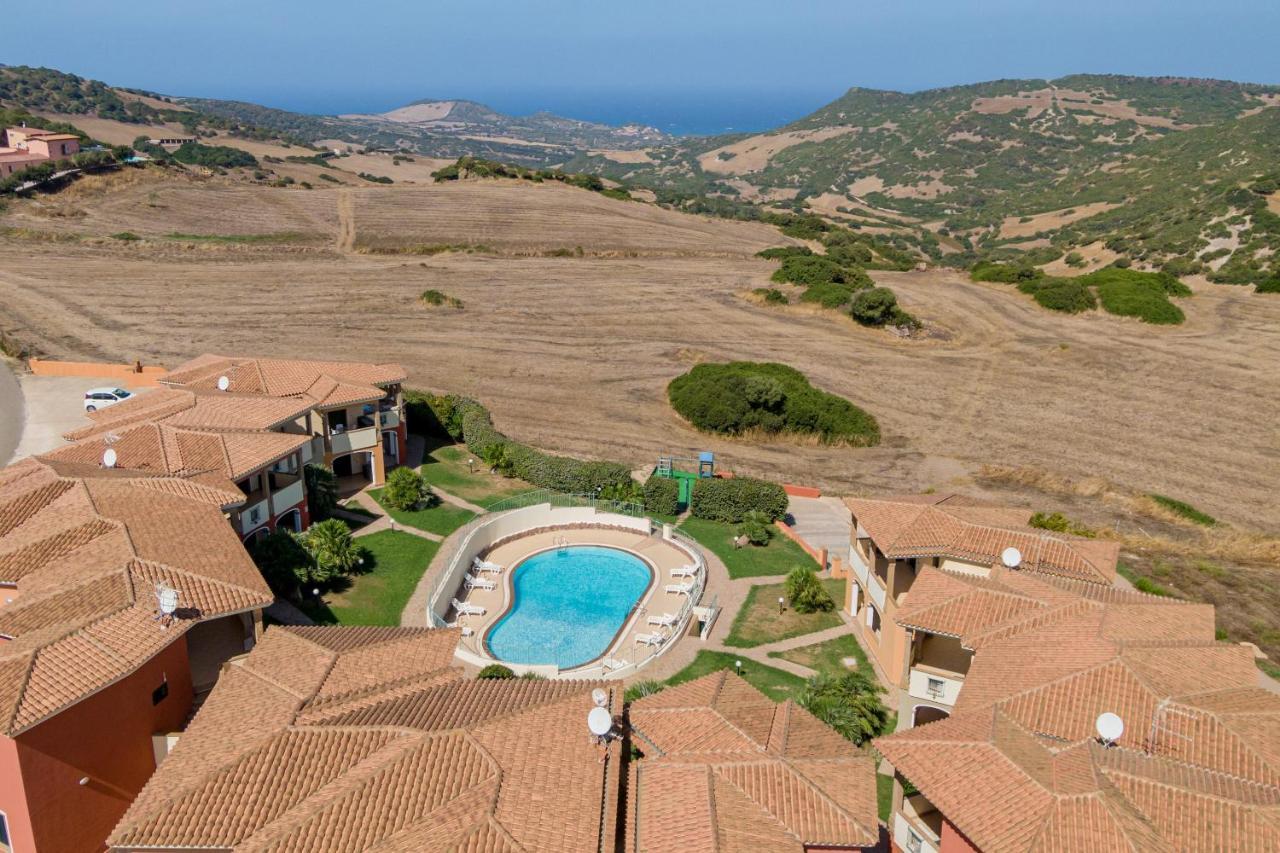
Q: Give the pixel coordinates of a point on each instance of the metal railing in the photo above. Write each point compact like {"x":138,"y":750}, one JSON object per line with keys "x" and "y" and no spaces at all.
{"x":562,"y":499}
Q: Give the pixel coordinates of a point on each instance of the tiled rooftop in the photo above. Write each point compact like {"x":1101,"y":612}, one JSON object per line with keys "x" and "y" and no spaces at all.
{"x":321,"y":383}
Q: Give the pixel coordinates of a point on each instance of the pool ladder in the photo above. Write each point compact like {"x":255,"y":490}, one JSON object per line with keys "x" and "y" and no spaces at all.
{"x":560,"y":542}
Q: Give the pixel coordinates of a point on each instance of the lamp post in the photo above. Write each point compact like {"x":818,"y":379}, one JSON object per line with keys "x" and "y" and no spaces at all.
{"x":781,"y":602}
{"x":737,"y":667}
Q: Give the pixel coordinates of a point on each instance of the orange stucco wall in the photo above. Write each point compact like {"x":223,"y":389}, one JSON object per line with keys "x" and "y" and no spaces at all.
{"x":953,"y":842}
{"x":106,"y":738}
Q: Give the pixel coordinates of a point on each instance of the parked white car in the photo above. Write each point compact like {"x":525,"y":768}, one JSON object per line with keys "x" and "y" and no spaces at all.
{"x":100,"y":398}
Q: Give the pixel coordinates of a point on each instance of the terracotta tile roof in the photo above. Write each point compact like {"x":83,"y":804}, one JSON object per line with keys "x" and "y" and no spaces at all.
{"x":182,"y":408}
{"x":1018,"y":766}
{"x":321,"y":383}
{"x":81,"y":558}
{"x":727,"y":768}
{"x":352,"y":739}
{"x":158,"y":448}
{"x":950,"y":526}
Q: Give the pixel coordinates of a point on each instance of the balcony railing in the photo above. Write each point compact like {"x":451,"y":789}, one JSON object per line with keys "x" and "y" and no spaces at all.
{"x":389,"y":419}
{"x":860,"y":570}
{"x":875,"y":588}
{"x":287,"y":497}
{"x":356,"y":439}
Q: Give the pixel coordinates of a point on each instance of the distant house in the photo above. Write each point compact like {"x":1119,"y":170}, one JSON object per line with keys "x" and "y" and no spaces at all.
{"x":171,"y":142}
{"x":27,"y":146}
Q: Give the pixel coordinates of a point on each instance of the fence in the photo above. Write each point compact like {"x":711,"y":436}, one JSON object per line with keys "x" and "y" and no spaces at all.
{"x":127,"y":374}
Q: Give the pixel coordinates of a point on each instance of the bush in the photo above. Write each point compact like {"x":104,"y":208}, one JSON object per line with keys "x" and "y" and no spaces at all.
{"x":405,"y":489}
{"x":879,"y":307}
{"x":757,"y":527}
{"x":1145,"y":300}
{"x":780,"y":252}
{"x":1004,"y":273}
{"x":1271,"y":285}
{"x":729,"y":500}
{"x":1185,"y":510}
{"x":771,"y":295}
{"x":849,"y":703}
{"x":1059,"y":523}
{"x":808,"y":270}
{"x":213,"y":156}
{"x":1060,"y":294}
{"x":284,"y":563}
{"x":1074,"y":259}
{"x":436,"y":298}
{"x":806,"y":593}
{"x":495,"y":670}
{"x":828,"y":294}
{"x":322,"y":491}
{"x":742,"y":395}
{"x":662,"y":496}
{"x":333,"y":551}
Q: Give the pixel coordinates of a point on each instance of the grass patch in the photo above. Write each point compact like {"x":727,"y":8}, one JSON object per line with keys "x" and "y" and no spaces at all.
{"x":446,"y":469}
{"x":884,"y":796}
{"x":279,"y":237}
{"x":394,"y":563}
{"x":759,"y":622}
{"x":774,"y":683}
{"x":436,"y":299}
{"x":780,"y":556}
{"x":442,"y":519}
{"x":1269,"y":667}
{"x":1185,"y":510}
{"x":828,"y":656}
{"x":126,"y":236}
{"x":1142,"y":583}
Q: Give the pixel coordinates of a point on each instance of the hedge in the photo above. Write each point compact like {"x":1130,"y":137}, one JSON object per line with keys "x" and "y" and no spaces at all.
{"x":467,"y":420}
{"x":729,"y":500}
{"x":662,"y":496}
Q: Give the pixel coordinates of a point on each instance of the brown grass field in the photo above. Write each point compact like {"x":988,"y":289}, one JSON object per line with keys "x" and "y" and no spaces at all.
{"x":1084,"y":414}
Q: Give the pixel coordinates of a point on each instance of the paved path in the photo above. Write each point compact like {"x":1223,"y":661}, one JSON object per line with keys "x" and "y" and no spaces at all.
{"x":821,"y":522}
{"x":12,"y":412}
{"x":286,"y":613}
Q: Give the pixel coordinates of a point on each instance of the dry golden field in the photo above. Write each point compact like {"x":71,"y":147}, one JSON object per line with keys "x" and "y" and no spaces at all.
{"x":574,"y":353}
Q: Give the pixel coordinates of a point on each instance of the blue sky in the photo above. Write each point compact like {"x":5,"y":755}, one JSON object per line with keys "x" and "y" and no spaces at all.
{"x":620,"y":58}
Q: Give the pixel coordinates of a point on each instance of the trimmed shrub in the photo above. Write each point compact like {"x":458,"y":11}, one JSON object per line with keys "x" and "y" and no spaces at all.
{"x":806,"y":593}
{"x":495,"y":670}
{"x":743,"y":395}
{"x":729,"y":500}
{"x":662,"y":496}
{"x":405,"y":489}
{"x":757,"y":527}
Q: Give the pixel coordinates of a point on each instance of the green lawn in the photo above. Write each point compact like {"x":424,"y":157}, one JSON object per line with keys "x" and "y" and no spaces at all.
{"x":394,"y":563}
{"x":828,"y":656}
{"x":780,"y":556}
{"x":759,"y":622}
{"x":443,"y":518}
{"x":884,"y":795}
{"x":774,"y":683}
{"x":446,"y":468}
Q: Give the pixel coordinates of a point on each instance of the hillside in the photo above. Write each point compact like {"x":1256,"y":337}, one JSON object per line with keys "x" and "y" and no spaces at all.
{"x":1005,"y":165}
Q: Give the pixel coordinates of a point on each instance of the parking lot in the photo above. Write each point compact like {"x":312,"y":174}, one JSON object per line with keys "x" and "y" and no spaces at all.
{"x":52,"y":405}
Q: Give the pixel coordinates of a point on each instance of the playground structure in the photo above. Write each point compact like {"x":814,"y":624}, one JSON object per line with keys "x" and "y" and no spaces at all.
{"x":668,"y":466}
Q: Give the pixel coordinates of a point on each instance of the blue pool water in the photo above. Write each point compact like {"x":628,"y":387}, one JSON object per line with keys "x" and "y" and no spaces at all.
{"x":569,"y":604}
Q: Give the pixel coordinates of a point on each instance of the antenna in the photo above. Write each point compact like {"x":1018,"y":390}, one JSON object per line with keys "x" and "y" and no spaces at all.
{"x":109,"y":458}
{"x":600,"y":696}
{"x":600,"y":722}
{"x":166,"y":603}
{"x":1011,"y":557}
{"x":1110,"y":727}
{"x":224,"y":382}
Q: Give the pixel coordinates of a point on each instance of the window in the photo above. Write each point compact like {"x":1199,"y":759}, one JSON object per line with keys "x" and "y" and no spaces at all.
{"x":914,"y":842}
{"x":160,"y":693}
{"x":936,"y":688}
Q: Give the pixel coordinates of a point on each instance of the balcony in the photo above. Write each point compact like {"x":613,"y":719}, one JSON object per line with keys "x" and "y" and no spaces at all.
{"x":934,"y":684}
{"x":875,"y":589}
{"x":860,"y":570}
{"x":349,"y":440}
{"x":255,"y":513}
{"x":286,"y":492}
{"x":917,"y":827}
{"x":389,"y":419}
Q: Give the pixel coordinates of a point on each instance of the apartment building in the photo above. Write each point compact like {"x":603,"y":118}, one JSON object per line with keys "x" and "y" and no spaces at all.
{"x":1185,"y":758}
{"x":896,"y":541}
{"x":27,"y":146}
{"x":259,"y":443}
{"x":355,"y":410}
{"x":122,"y":595}
{"x":368,"y":738}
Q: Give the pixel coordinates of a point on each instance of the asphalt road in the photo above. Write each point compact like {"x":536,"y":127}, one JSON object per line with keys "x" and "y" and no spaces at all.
{"x":11,"y":413}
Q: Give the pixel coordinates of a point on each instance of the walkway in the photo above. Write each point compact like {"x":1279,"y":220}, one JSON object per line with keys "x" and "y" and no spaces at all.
{"x":822,"y":523}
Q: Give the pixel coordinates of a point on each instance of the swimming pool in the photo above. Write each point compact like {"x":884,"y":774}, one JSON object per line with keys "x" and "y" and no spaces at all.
{"x":569,"y":603}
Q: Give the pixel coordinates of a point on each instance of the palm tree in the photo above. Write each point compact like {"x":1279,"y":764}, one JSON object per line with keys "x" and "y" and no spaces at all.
{"x":330,"y":545}
{"x":849,"y":703}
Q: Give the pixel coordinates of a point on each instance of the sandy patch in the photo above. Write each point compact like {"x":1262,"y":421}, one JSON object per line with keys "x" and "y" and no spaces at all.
{"x":1014,"y":227}
{"x":416,"y":113}
{"x":1095,"y":255}
{"x":753,"y":153}
{"x":155,"y":103}
{"x":868,"y":184}
{"x":1273,"y":202}
{"x":633,"y":156}
{"x":117,"y":132}
{"x":1042,"y":100}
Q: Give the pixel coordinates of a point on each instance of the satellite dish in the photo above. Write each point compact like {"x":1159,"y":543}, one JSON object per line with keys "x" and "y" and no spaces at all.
{"x":600,"y":722}
{"x":600,"y":697}
{"x":109,"y":458}
{"x":167,"y":597}
{"x":1110,"y":727}
{"x":224,"y":383}
{"x":1011,"y":557}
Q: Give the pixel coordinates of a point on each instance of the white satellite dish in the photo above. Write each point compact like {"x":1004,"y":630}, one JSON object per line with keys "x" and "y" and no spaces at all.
{"x":224,"y":382}
{"x":1110,"y":727}
{"x":600,"y":696}
{"x":1011,"y":557}
{"x":600,"y":722}
{"x":109,"y":458}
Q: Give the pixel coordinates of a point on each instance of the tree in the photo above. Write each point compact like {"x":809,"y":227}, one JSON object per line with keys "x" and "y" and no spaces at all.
{"x":283,"y":561}
{"x":874,"y":307}
{"x":849,"y":703}
{"x":333,"y":551}
{"x":405,"y":489}
{"x":806,"y":593}
{"x":322,"y":491}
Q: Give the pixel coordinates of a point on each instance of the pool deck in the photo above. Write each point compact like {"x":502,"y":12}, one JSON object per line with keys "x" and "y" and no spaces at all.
{"x":661,"y":556}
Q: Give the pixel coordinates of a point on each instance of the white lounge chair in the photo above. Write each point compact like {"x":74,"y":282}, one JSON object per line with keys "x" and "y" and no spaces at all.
{"x":462,"y":608}
{"x":679,"y":588}
{"x":654,"y":639}
{"x":485,"y":565}
{"x":666,"y":620}
{"x":613,"y":663}
{"x":473,"y":582}
{"x":466,"y":632}
{"x":685,"y":572}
